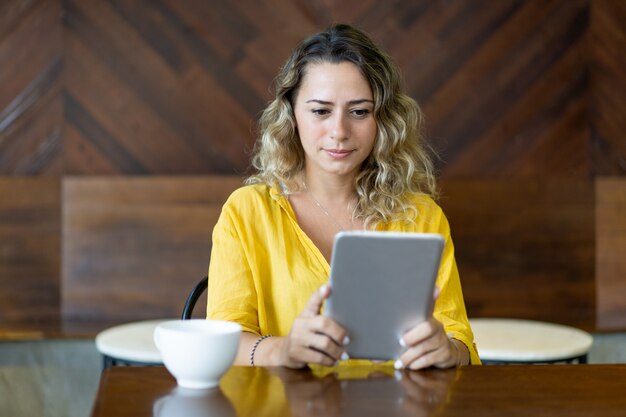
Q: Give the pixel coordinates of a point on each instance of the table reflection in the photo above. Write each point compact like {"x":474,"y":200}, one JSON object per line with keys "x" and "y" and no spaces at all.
{"x":185,"y":402}
{"x":554,"y":390}
{"x":357,"y":391}
{"x":340,"y":391}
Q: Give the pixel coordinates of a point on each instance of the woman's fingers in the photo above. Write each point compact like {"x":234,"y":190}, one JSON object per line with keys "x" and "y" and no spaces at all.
{"x":313,"y":322}
{"x":321,"y":333}
{"x":319,"y":348}
{"x":427,"y":345}
{"x":436,"y":293}
{"x":422,"y":332}
{"x":314,"y":305}
{"x":315,"y":338}
{"x":307,"y":354}
{"x":316,"y":348}
{"x":423,"y":357}
{"x":327,"y":345}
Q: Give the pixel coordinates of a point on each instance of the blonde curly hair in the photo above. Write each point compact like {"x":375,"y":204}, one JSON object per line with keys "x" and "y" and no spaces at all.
{"x":400,"y":164}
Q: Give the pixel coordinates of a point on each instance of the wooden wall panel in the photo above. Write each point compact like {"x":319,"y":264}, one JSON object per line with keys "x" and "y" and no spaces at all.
{"x":528,"y":90}
{"x":31,"y":109}
{"x":525,"y":248}
{"x":500,"y":82}
{"x":144,"y":85}
{"x":134,"y":247}
{"x":607,"y":43}
{"x":30,"y":224}
{"x":611,"y":253}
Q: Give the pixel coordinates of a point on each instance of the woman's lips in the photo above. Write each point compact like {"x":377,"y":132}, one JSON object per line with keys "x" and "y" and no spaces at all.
{"x":338,"y":153}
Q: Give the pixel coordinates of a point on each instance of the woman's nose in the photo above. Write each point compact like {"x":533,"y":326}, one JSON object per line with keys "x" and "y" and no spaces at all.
{"x":340,"y":129}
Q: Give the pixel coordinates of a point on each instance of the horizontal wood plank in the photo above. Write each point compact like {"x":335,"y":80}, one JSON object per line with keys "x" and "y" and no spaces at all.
{"x":135,"y":247}
{"x":525,"y":248}
{"x":611,"y":252}
{"x":30,"y":249}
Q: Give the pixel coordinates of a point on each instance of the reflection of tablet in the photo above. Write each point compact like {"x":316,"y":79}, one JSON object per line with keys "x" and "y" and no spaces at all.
{"x":382,"y":285}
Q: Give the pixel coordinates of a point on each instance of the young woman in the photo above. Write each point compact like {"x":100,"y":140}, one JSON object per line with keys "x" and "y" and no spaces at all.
{"x":340,"y":148}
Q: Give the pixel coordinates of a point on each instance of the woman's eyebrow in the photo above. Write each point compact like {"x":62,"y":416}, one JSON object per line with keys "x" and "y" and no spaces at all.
{"x":314,"y":100}
{"x":351,"y":102}
{"x":361,"y":101}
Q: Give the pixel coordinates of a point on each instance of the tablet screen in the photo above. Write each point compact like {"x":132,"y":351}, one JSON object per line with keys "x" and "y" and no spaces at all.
{"x":382,"y":285}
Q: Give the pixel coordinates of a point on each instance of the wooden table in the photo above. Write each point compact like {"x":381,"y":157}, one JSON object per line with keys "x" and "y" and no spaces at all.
{"x":504,"y":390}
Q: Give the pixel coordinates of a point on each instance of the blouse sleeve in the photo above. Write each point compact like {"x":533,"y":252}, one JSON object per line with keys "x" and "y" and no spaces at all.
{"x":450,"y":306}
{"x":231,"y":292}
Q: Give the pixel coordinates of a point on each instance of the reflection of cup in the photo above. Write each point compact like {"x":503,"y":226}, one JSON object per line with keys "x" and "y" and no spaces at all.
{"x":184,"y":402}
{"x":197,"y":352}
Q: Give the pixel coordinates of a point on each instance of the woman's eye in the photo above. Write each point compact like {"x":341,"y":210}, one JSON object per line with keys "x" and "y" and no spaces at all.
{"x":360,"y":112}
{"x":320,"y":112}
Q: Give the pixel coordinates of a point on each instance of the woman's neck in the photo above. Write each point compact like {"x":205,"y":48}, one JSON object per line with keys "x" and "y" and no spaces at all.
{"x":331,"y":191}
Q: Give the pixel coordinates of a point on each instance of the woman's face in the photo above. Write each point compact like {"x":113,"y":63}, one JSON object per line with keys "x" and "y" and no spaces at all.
{"x":335,"y":120}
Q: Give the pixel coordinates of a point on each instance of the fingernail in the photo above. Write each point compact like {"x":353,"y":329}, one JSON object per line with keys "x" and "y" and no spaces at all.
{"x":346,"y":340}
{"x":323,"y":288}
{"x":345,"y":356}
{"x":398,"y":364}
{"x":401,"y":341}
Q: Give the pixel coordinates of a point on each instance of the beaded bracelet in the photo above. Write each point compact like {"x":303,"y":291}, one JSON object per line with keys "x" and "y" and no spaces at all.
{"x":256,"y":345}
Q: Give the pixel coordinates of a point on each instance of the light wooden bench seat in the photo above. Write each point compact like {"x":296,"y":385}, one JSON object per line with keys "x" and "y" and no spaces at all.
{"x":501,"y":340}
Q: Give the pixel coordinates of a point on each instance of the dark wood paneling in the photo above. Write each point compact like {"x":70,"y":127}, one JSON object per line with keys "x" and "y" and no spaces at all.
{"x":530,"y":90}
{"x":135,"y":247}
{"x":31,"y":111}
{"x":501,"y":82}
{"x":506,"y":111}
{"x":525,"y":248}
{"x":144,"y":84}
{"x":489,"y":76}
{"x":611,"y":252}
{"x":607,"y":43}
{"x":504,"y":85}
{"x":12,"y":13}
{"x":30,"y":225}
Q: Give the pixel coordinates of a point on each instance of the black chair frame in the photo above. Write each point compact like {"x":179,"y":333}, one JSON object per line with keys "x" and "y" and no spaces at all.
{"x":193,"y":297}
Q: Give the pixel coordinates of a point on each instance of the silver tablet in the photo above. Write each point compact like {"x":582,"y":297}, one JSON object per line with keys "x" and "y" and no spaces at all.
{"x":382,"y":285}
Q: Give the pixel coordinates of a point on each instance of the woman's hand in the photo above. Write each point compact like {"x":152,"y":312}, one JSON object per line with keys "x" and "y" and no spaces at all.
{"x":428,"y":345}
{"x":313,"y":338}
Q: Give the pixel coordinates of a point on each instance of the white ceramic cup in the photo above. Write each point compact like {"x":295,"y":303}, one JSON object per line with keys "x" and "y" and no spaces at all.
{"x":197,"y":352}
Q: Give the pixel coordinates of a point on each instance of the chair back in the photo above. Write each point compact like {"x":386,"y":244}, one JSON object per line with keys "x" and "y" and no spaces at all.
{"x":193,"y":297}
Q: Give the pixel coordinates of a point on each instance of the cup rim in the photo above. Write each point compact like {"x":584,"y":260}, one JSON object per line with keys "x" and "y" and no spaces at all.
{"x":179,"y":326}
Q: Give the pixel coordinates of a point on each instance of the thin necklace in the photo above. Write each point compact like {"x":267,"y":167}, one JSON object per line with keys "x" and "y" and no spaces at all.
{"x":321,"y":207}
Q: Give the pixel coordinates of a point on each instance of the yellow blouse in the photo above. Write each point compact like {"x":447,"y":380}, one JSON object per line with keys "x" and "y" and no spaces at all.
{"x":264,"y":268}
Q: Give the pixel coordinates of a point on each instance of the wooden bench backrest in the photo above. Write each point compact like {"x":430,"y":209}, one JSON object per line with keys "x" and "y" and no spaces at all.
{"x":134,"y":247}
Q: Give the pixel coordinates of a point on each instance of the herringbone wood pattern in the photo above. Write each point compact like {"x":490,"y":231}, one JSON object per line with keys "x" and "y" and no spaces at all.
{"x":31,"y":105}
{"x":175,"y":87}
{"x":608,"y":86}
